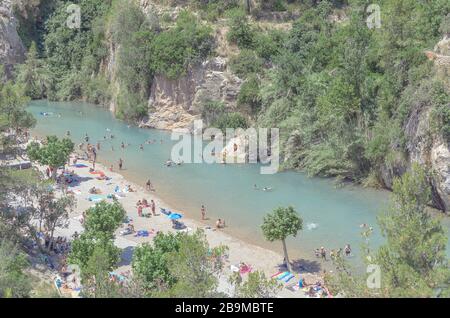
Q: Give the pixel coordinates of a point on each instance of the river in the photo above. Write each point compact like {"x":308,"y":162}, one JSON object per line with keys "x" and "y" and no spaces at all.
{"x":332,"y":215}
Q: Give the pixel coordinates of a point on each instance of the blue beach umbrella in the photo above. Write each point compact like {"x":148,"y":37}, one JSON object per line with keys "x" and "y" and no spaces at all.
{"x":175,"y":216}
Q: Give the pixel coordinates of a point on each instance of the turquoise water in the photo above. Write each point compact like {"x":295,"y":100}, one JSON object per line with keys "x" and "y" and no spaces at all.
{"x":226,"y":190}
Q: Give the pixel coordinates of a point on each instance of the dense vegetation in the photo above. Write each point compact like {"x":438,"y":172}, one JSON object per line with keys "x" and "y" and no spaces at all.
{"x":340,"y":92}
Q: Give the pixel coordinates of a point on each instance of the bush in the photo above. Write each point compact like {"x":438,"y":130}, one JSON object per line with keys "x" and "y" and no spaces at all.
{"x":230,"y":120}
{"x":249,"y":95}
{"x":176,"y":49}
{"x":241,"y":32}
{"x":246,"y":64}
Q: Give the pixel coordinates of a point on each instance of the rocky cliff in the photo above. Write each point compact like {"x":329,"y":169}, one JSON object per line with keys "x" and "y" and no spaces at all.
{"x":177,"y":103}
{"x":423,"y":146}
{"x":12,"y":50}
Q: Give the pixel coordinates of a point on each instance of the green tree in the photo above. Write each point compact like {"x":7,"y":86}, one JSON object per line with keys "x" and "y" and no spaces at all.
{"x":100,"y":224}
{"x":280,"y":224}
{"x":33,"y":75}
{"x":83,"y":248}
{"x":54,"y":153}
{"x":103,"y":219}
{"x":415,"y":251}
{"x":13,"y":113}
{"x":150,"y":262}
{"x":413,"y":261}
{"x":195,"y":267}
{"x":14,"y":283}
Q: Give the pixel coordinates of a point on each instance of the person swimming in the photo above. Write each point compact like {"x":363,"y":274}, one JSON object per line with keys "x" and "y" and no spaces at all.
{"x":141,"y":147}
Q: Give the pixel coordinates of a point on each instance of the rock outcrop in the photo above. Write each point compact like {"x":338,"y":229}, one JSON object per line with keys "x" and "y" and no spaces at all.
{"x":423,"y":146}
{"x":12,"y":50}
{"x":177,"y":103}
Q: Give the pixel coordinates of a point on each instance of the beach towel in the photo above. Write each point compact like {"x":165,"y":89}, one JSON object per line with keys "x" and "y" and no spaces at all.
{"x":245,"y":270}
{"x":288,"y":278}
{"x":96,"y":198}
{"x":119,"y":196}
{"x":166,"y":212}
{"x":79,"y":165}
{"x":100,"y":173}
{"x":234,"y":268}
{"x":276,"y":274}
{"x":142,"y":233}
{"x":280,"y":277}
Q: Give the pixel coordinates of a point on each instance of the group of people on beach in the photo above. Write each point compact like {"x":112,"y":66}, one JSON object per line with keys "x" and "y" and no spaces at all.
{"x":60,"y":245}
{"x":142,"y":204}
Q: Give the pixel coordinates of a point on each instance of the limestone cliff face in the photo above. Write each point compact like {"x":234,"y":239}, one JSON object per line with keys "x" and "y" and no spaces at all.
{"x":177,"y":103}
{"x":423,"y":146}
{"x":12,"y":50}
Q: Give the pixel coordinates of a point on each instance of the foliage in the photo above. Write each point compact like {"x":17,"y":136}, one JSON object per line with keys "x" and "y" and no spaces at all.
{"x":195,"y":266}
{"x":103,"y":219}
{"x":97,"y":241}
{"x":256,"y":286}
{"x":246,"y":63}
{"x":55,"y":153}
{"x":186,"y":44}
{"x":33,"y":75}
{"x":150,"y":262}
{"x":413,"y":261}
{"x":14,"y":283}
{"x":280,"y":224}
{"x":249,"y":95}
{"x":241,"y":31}
{"x":230,"y":120}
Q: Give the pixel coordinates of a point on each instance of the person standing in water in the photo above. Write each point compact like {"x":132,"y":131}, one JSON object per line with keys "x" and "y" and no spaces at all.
{"x":203,"y":210}
{"x":153,"y":207}
{"x":141,"y":147}
{"x":148,"y":185}
{"x":120,"y":163}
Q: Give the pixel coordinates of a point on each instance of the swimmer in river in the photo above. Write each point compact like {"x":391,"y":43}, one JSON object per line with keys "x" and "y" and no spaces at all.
{"x":141,"y":147}
{"x":120,"y":163}
{"x":68,"y":133}
{"x":86,"y":138}
{"x":122,"y":145}
{"x":255,"y":187}
{"x":112,"y":148}
{"x":347,"y":250}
